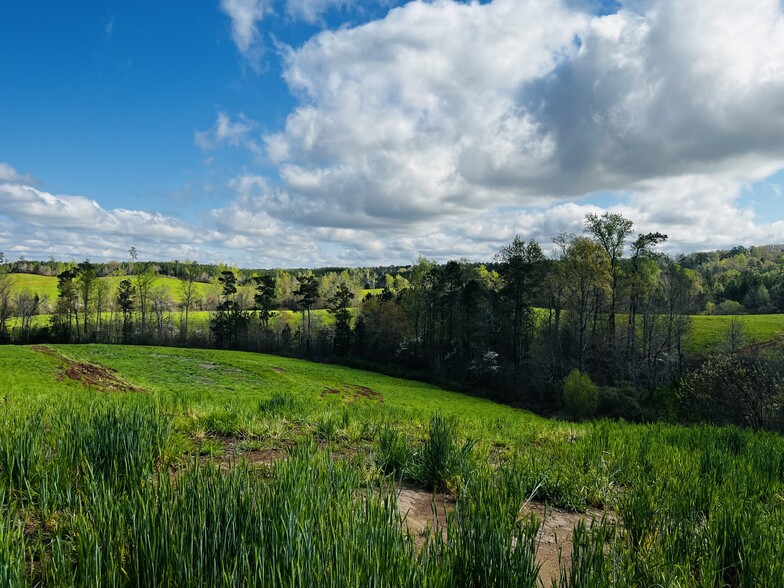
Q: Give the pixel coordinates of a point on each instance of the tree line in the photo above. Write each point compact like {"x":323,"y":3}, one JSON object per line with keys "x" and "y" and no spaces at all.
{"x":606,"y":304}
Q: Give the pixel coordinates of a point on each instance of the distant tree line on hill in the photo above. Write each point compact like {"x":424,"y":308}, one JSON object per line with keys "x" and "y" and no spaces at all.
{"x":607,"y":306}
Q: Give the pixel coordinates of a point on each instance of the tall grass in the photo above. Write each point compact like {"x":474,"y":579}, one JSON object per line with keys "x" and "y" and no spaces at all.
{"x":87,"y":497}
{"x":442,"y":462}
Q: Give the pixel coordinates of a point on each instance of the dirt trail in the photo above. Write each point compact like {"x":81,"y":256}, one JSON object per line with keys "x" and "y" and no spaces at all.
{"x":91,"y":375}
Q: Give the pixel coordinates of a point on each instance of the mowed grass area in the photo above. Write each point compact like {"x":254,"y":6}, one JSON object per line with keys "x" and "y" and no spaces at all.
{"x":710,"y":331}
{"x":145,"y":466}
{"x":47,"y":285}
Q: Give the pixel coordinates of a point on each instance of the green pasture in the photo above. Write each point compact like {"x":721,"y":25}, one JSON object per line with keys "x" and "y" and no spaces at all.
{"x":47,"y":285}
{"x":146,"y":466}
{"x":209,"y":380}
{"x":709,"y":331}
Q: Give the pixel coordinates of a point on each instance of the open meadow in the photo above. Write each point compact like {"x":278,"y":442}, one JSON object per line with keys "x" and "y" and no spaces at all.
{"x":146,"y":466}
{"x":46,"y":286}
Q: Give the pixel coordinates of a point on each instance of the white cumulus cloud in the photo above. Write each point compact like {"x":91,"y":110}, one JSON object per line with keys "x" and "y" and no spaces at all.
{"x":245,"y":16}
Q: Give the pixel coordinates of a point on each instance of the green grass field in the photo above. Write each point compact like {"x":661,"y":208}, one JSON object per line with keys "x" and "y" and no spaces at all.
{"x":145,"y":466}
{"x":709,"y":331}
{"x":47,"y":285}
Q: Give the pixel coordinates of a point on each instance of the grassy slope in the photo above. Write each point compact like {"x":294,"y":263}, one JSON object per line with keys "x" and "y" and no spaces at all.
{"x":698,"y":506}
{"x":201,"y":382}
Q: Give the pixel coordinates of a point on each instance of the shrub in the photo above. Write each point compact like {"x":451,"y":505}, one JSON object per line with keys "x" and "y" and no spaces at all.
{"x":730,"y":307}
{"x":621,"y":402}
{"x":580,"y":395}
{"x":735,"y":390}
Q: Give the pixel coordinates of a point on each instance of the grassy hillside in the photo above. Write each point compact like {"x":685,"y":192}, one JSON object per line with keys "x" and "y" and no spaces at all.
{"x":206,"y":381}
{"x":143,"y":466}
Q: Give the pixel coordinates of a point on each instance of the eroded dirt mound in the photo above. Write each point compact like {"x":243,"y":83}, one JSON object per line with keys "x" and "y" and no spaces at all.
{"x":352,"y":393}
{"x":91,"y":375}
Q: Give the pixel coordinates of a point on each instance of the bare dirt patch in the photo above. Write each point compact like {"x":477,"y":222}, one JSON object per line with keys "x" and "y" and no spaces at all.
{"x":555,"y":536}
{"x":278,"y":370}
{"x":91,"y":375}
{"x":353,"y":393}
{"x":417,"y":506}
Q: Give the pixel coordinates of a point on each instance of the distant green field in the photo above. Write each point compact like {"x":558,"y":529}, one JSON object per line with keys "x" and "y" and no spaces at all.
{"x":47,"y":285}
{"x":709,"y":331}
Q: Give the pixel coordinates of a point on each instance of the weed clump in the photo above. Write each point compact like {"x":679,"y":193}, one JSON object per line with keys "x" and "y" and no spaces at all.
{"x":394,"y":453}
{"x":442,"y":463}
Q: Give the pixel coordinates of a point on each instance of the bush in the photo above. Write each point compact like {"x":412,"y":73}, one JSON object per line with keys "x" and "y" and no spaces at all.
{"x":733,"y":390}
{"x":580,"y":395}
{"x":620,"y":403}
{"x":730,"y":307}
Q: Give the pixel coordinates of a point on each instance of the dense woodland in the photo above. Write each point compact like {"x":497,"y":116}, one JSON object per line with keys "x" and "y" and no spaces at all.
{"x":607,"y":303}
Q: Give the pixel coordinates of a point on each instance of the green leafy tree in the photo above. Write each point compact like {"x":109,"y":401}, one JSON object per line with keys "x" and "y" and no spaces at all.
{"x":580,"y":394}
{"x":86,"y":282}
{"x":307,"y":293}
{"x":641,"y":280}
{"x":66,"y":306}
{"x":521,"y":271}
{"x":265,"y":298}
{"x":588,"y":278}
{"x":339,"y":305}
{"x":229,"y":319}
{"x":611,"y":231}
{"x":126,"y":295}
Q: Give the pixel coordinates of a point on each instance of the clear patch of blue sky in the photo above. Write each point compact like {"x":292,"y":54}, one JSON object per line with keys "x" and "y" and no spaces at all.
{"x":765,"y":195}
{"x":104,"y":102}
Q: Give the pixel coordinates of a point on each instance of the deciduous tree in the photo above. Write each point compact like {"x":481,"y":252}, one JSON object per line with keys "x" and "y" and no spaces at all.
{"x":611,"y":231}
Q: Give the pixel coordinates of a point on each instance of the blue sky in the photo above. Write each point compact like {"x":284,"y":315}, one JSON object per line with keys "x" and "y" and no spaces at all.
{"x":310,"y":132}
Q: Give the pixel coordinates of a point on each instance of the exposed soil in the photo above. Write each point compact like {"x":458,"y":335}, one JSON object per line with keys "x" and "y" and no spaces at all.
{"x":555,"y":534}
{"x":91,"y":375}
{"x":352,"y":393}
{"x":267,"y":456}
{"x":416,"y":506}
{"x":278,"y":370}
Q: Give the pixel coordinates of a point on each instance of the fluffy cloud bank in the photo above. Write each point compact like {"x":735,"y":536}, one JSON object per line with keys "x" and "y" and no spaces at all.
{"x":445,"y":128}
{"x":445,"y":112}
